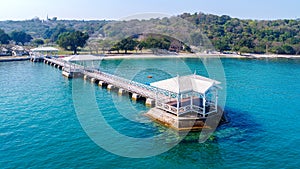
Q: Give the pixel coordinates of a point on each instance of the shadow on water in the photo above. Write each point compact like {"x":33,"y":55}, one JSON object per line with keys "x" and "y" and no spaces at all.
{"x":205,"y":155}
{"x":240,"y":126}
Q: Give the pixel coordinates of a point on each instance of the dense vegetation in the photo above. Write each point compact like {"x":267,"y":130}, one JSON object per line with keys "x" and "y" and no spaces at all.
{"x":155,"y":42}
{"x":226,"y":33}
{"x":175,"y":34}
{"x":38,"y":28}
{"x":19,"y":37}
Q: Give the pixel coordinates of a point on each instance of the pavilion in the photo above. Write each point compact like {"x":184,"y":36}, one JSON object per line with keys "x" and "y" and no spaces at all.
{"x":38,"y":54}
{"x":74,"y":70}
{"x":182,"y":100}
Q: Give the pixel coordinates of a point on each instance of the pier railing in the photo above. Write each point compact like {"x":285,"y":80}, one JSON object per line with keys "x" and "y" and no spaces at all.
{"x":126,"y":84}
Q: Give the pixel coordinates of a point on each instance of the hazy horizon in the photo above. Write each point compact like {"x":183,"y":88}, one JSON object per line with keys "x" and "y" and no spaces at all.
{"x":138,"y":16}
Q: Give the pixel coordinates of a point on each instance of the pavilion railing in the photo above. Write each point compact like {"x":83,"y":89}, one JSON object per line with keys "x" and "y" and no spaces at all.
{"x":167,"y":107}
{"x":181,"y":110}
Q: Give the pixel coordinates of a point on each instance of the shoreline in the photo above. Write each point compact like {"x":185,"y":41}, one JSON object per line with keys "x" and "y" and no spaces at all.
{"x":200,"y":55}
{"x":181,"y":55}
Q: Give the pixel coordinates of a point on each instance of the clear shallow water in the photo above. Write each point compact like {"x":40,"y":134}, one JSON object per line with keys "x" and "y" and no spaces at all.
{"x":39,"y":126}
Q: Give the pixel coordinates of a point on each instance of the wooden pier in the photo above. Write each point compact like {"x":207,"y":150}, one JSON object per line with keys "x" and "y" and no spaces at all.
{"x":176,"y":108}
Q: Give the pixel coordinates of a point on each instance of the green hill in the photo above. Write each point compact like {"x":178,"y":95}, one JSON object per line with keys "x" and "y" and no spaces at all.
{"x":197,"y":30}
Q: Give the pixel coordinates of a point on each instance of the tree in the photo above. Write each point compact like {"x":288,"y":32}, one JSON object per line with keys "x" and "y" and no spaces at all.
{"x":72,"y":40}
{"x":4,"y":38}
{"x":288,"y":49}
{"x":38,"y":42}
{"x":141,"y":45}
{"x":54,"y":33}
{"x":297,"y":49}
{"x":244,"y":49}
{"x":20,"y":37}
{"x":221,"y":45}
{"x":126,"y":44}
{"x":277,"y":50}
{"x":157,"y":42}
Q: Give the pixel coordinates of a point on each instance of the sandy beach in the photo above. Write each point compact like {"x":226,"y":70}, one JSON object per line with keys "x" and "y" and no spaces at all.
{"x":199,"y":55}
{"x":181,"y":55}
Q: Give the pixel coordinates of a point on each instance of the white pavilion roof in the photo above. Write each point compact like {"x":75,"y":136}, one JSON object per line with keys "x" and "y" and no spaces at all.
{"x":82,"y":58}
{"x":185,"y":84}
{"x":44,"y":49}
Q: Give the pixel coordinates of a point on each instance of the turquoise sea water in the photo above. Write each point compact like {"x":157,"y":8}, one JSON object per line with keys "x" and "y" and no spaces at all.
{"x":39,"y":127}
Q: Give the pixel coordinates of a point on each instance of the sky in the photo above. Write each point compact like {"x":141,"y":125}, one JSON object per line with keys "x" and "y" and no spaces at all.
{"x":117,"y":9}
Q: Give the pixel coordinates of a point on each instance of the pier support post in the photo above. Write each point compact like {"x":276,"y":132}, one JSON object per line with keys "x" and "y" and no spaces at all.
{"x":121,"y":91}
{"x":93,"y":80}
{"x":150,"y":102}
{"x":135,"y":96}
{"x":110,"y":87}
{"x":100,"y":83}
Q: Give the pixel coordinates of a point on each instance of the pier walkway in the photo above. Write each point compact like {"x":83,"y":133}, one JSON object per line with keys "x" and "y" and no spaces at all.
{"x":112,"y":81}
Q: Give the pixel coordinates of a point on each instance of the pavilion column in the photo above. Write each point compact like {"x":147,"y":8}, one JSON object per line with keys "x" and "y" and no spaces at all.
{"x":204,"y":103}
{"x":192,"y":100}
{"x":178,"y":95}
{"x":181,"y":99}
{"x":156,"y":97}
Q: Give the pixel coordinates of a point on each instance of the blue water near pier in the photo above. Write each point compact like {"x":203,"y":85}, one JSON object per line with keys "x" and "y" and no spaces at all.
{"x":39,"y":127}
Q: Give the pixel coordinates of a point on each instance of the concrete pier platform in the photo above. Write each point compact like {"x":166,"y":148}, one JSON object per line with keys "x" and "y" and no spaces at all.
{"x":184,"y":123}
